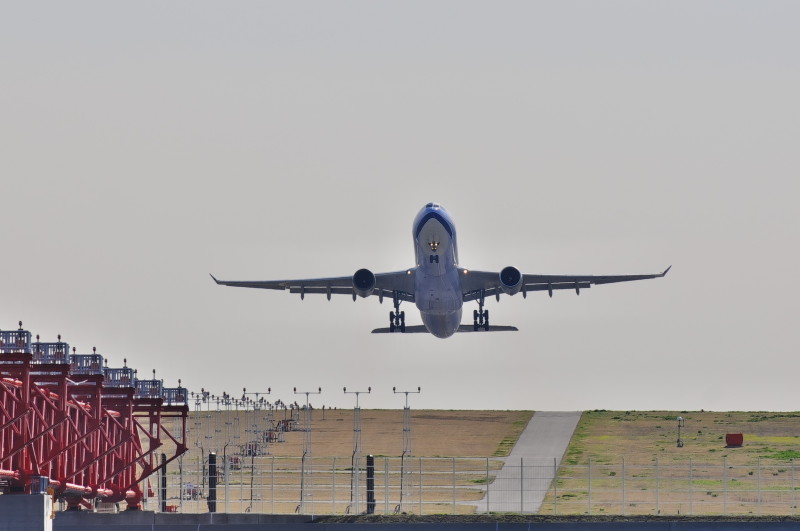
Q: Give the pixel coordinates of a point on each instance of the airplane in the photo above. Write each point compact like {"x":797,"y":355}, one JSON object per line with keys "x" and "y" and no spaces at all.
{"x":437,"y":285}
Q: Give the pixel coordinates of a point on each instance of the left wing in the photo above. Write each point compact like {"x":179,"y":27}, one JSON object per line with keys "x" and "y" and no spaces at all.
{"x":476,"y":284}
{"x":386,"y":285}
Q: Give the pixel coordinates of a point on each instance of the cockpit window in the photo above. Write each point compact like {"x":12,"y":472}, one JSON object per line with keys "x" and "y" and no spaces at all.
{"x":432,"y":205}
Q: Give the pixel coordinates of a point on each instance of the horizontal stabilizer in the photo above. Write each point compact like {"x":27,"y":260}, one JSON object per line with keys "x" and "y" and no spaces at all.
{"x":420,"y":329}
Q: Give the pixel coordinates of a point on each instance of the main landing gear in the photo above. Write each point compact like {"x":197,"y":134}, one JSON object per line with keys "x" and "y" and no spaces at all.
{"x":397,"y":319}
{"x":480,"y":317}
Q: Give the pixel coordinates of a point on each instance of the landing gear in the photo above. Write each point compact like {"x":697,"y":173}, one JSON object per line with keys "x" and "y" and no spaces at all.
{"x":480,"y":317}
{"x":397,"y":319}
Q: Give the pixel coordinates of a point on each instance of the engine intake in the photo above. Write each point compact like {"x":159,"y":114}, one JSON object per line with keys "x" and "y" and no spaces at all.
{"x":363,"y":282}
{"x":510,"y":280}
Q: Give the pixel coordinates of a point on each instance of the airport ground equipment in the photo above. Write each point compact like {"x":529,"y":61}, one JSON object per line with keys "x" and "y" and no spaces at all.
{"x":86,"y":432}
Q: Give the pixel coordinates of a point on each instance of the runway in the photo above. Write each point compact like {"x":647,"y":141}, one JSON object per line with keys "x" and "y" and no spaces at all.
{"x":523,"y":482}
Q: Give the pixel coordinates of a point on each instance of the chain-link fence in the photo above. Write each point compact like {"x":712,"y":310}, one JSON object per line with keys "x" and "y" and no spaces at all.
{"x":685,"y":486}
{"x":284,"y":485}
{"x":333,"y":485}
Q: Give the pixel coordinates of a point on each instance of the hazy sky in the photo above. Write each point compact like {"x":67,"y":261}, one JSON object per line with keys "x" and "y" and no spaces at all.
{"x":146,"y":144}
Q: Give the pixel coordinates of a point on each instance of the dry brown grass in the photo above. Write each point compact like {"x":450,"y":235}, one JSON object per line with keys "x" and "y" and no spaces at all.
{"x":434,"y":432}
{"x":472,"y":436}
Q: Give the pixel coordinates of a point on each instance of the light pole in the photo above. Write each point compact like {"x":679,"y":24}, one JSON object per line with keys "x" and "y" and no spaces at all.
{"x":356,"y":457}
{"x":256,"y":446}
{"x":306,"y":445}
{"x":258,"y":403}
{"x":199,"y":399}
{"x":406,"y":441}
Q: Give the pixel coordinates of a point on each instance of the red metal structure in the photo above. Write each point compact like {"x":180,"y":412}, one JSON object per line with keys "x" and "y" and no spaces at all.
{"x":92,"y":431}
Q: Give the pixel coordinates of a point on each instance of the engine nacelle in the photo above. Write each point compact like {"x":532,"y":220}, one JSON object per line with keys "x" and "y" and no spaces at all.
{"x":510,"y":280}
{"x":363,"y":282}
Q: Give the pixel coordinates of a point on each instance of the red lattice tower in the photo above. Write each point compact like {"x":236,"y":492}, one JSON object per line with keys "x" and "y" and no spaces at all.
{"x":92,"y":431}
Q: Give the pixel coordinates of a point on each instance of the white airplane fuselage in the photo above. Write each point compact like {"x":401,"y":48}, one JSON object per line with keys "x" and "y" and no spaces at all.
{"x":438,"y":293}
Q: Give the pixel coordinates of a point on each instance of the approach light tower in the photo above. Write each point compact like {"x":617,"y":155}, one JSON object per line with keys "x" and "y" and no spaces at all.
{"x":355,"y":459}
{"x":406,"y":442}
{"x":306,"y":469}
{"x":258,"y":436}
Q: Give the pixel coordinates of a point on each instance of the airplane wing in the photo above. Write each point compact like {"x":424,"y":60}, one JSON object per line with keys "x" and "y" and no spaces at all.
{"x":386,"y":285}
{"x":484,"y":283}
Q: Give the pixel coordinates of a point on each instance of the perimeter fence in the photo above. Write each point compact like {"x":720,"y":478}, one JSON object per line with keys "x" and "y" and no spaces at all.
{"x":438,"y":485}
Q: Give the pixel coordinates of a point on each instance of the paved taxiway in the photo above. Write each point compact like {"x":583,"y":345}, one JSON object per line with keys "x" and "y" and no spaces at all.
{"x":537,"y":454}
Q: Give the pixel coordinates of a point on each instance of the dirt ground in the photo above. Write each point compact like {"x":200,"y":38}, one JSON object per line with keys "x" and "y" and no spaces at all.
{"x":434,"y":433}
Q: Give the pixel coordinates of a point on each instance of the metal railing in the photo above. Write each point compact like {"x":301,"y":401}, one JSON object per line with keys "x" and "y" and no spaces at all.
{"x":15,"y":341}
{"x":50,"y":352}
{"x":86,"y":363}
{"x":456,"y":485}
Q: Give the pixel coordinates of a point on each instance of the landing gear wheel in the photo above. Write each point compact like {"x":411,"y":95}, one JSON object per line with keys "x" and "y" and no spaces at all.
{"x":397,"y":319}
{"x":486,"y":320}
{"x":475,"y":316}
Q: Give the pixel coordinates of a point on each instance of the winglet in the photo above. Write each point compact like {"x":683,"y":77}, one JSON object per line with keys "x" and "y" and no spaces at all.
{"x":661,"y":275}
{"x":215,"y":278}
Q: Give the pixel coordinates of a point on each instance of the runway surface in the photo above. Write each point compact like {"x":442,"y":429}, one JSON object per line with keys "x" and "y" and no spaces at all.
{"x":523,"y":482}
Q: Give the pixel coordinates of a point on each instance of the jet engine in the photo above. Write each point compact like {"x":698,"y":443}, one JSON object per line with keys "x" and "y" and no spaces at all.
{"x":363,"y":282}
{"x":510,"y":280}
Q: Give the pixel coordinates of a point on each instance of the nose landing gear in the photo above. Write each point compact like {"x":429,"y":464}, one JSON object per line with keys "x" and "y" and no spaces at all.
{"x":397,"y":319}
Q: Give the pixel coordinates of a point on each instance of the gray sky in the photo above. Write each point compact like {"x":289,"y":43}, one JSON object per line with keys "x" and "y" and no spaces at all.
{"x":144,"y":145}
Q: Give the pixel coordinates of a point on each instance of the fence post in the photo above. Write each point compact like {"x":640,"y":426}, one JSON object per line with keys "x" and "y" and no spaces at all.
{"x":163,"y":483}
{"x":658,"y":486}
{"x":333,"y":488}
{"x":487,"y":485}
{"x":555,"y":486}
{"x":272,"y":485}
{"x":691,"y":487}
{"x":794,"y":487}
{"x":386,"y":485}
{"x":420,"y":485}
{"x":521,"y":485}
{"x":624,"y":504}
{"x":454,"y":485}
{"x":724,"y":485}
{"x":225,"y":460}
{"x":370,"y":484}
{"x":589,"y":497}
{"x":212,"y":482}
{"x":758,"y":486}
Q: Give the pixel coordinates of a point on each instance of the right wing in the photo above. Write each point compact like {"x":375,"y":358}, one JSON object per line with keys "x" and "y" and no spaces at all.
{"x":386,"y":285}
{"x":485,"y":283}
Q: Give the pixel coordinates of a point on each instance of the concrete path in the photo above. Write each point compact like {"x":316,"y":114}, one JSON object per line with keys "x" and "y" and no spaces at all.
{"x":523,"y":482}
